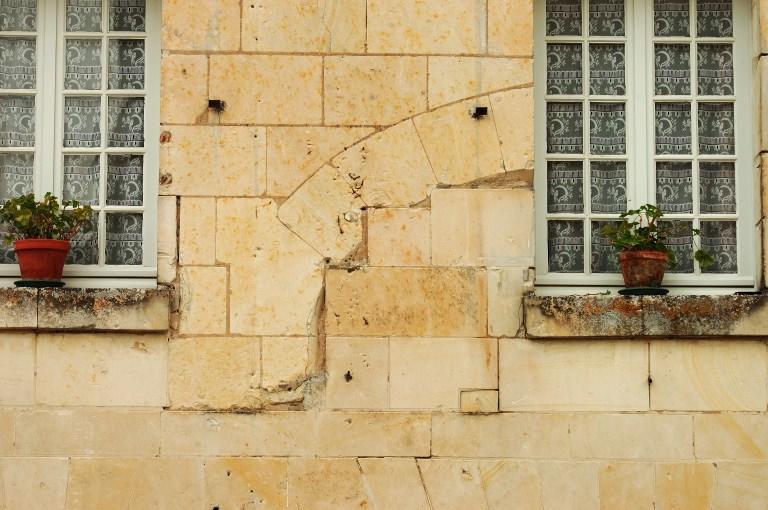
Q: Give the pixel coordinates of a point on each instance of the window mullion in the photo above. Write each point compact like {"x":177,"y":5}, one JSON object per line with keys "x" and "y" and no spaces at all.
{"x":47,"y":85}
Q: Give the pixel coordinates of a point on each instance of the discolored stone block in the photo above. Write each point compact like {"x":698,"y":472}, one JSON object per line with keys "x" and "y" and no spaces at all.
{"x":18,"y":308}
{"x":740,"y":486}
{"x":398,"y":237}
{"x":731,"y":436}
{"x":583,"y":316}
{"x":325,"y":484}
{"x":284,"y":361}
{"x":184,"y":89}
{"x":502,"y":38}
{"x":358,"y":373}
{"x":237,"y":482}
{"x":684,"y":486}
{"x":705,"y":315}
{"x":626,"y":485}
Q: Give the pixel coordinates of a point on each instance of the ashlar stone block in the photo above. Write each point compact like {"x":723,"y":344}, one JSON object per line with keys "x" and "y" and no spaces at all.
{"x":407,"y":26}
{"x":238,"y":482}
{"x":398,"y":237}
{"x":17,"y":369}
{"x":389,"y":169}
{"x":6,"y":431}
{"x":18,"y":308}
{"x":285,"y":361}
{"x":506,"y":287}
{"x":684,"y":486}
{"x":362,"y":90}
{"x":503,"y":14}
{"x":197,"y":231}
{"x":513,"y":111}
{"x":205,"y":25}
{"x":167,"y":256}
{"x":473,"y":227}
{"x":329,"y":26}
{"x":740,"y":486}
{"x":358,"y":373}
{"x":429,"y":373}
{"x":184,"y":89}
{"x":374,"y":435}
{"x":326,"y":484}
{"x":33,"y":484}
{"x":453,"y":484}
{"x":268,"y":89}
{"x":203,"y":300}
{"x":480,"y":401}
{"x":731,"y":436}
{"x":627,"y":486}
{"x":439,"y":302}
{"x":394,"y":483}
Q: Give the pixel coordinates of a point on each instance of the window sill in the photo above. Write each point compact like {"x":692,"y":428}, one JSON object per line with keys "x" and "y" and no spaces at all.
{"x":85,"y":309}
{"x":649,"y":316}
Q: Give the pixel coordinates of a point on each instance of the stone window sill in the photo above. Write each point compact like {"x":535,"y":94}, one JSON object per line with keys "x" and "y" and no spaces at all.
{"x":649,"y":316}
{"x":85,"y":309}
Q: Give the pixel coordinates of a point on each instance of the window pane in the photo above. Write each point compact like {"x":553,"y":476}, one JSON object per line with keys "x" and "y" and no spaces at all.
{"x":127,"y":15}
{"x":680,"y":241}
{"x":714,"y":18}
{"x":716,"y":135}
{"x":125,"y":180}
{"x":18,"y":15}
{"x":671,"y":18}
{"x":605,"y":259}
{"x":82,"y":122}
{"x":83,"y":64}
{"x":606,"y":69}
{"x":608,"y":186}
{"x":16,"y":174}
{"x":606,"y":17}
{"x":18,"y":63}
{"x":565,"y":128}
{"x":81,"y":179}
{"x":673,"y":128}
{"x":126,"y":64}
{"x":566,"y":246}
{"x":719,"y":239}
{"x":607,"y":128}
{"x":718,"y":187}
{"x":563,"y":17}
{"x":83,"y":15}
{"x":674,"y":187}
{"x":715,"y":69}
{"x":673,"y":69}
{"x":124,"y":239}
{"x":17,"y":121}
{"x":564,"y":69}
{"x":565,"y":192}
{"x":84,"y":249}
{"x":126,"y":122}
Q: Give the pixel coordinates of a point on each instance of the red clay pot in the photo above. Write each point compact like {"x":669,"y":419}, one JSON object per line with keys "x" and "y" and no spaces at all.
{"x":41,"y":259}
{"x":643,"y":268}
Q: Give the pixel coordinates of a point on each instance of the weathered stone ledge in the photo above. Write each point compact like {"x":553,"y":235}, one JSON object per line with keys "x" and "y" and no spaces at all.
{"x":85,"y":309}
{"x":658,"y":316}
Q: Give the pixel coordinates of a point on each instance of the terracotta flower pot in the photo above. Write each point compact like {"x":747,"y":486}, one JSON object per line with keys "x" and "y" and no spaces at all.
{"x":643,"y":268}
{"x":41,"y":259}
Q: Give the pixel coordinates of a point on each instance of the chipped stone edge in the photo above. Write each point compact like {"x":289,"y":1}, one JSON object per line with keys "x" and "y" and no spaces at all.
{"x":695,"y":316}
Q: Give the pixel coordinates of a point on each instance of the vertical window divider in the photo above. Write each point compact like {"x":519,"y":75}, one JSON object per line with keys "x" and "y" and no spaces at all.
{"x":586,"y":136}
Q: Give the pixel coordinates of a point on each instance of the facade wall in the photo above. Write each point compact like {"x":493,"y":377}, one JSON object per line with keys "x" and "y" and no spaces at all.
{"x":348,"y":250}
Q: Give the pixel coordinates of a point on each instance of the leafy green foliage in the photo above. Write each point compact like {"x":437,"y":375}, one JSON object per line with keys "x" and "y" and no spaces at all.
{"x":24,"y":218}
{"x":642,"y":229}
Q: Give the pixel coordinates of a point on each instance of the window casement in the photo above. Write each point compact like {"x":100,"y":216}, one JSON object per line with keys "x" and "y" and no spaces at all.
{"x":79,"y":117}
{"x":645,"y":101}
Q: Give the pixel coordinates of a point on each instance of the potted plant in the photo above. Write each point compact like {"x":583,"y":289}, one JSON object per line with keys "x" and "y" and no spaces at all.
{"x":640,"y":238}
{"x":40,"y":233}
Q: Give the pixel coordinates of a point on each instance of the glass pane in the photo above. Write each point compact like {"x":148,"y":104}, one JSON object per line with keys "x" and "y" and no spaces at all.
{"x":608,"y":186}
{"x":566,"y":246}
{"x":127,"y":15}
{"x":84,"y":249}
{"x":673,"y":128}
{"x":607,"y":128}
{"x":715,"y":69}
{"x":83,"y":15}
{"x":719,"y":239}
{"x":671,"y":18}
{"x":605,"y":259}
{"x":717,"y":187}
{"x":82,"y":122}
{"x":606,"y":69}
{"x":81,"y":179}
{"x":606,"y":17}
{"x":680,"y":241}
{"x":125,"y":180}
{"x":124,"y":239}
{"x":563,"y":17}
{"x":126,"y":64}
{"x":17,"y":121}
{"x":16,"y":174}
{"x":674,"y":187}
{"x":673,"y":69}
{"x":126,"y":122}
{"x":565,"y":128}
{"x":564,"y":70}
{"x":714,"y":18}
{"x":18,"y":15}
{"x":565,"y":191}
{"x":83,"y":64}
{"x":18,"y":63}
{"x":716,"y":134}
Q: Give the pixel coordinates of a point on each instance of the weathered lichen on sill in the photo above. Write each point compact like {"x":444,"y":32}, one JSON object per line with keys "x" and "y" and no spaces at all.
{"x":659,"y":316}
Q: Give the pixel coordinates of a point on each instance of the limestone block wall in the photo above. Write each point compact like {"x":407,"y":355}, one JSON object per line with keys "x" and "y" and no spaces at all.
{"x":348,"y":251}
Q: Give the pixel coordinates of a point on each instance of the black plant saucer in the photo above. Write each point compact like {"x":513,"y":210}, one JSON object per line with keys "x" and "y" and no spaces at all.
{"x":644,"y":291}
{"x":39,"y":284}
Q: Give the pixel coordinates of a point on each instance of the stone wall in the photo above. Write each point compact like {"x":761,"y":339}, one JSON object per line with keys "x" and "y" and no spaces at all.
{"x":348,"y":251}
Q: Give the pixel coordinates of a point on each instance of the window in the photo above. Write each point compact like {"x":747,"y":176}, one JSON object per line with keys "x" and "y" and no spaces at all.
{"x":79,"y":107}
{"x":641,"y":101}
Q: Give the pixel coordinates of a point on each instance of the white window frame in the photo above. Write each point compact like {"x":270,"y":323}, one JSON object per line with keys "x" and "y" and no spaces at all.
{"x":49,"y":151}
{"x":640,"y":154}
